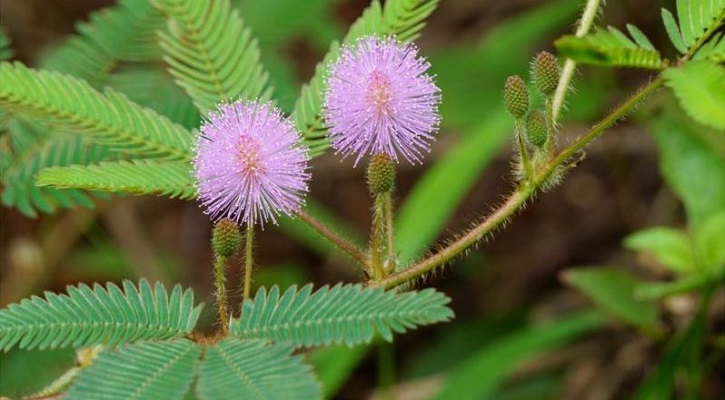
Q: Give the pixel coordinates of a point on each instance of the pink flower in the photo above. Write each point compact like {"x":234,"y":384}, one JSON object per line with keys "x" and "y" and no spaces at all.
{"x":380,"y":99}
{"x":250,"y":164}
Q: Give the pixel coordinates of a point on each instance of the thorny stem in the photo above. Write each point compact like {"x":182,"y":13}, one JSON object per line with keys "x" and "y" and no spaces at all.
{"x":376,"y":238}
{"x":585,"y":23}
{"x":248,"y":262}
{"x":221,"y":297}
{"x":347,"y":247}
{"x":519,"y":197}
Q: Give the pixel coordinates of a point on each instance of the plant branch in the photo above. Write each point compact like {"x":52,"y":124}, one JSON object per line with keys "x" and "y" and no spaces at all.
{"x":390,"y":232}
{"x":221,"y":297}
{"x":376,"y":238}
{"x":342,"y":244}
{"x":518,"y":198}
{"x":248,"y":262}
{"x":585,"y":24}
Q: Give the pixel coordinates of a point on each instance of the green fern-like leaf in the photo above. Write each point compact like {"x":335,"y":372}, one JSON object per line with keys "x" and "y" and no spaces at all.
{"x":611,"y":48}
{"x":108,"y":316}
{"x":153,"y":87}
{"x":30,"y":148}
{"x":110,"y":117}
{"x":346,"y":314}
{"x":144,"y":371}
{"x":696,"y":19}
{"x":139,"y":177}
{"x":713,"y":50}
{"x":125,"y":32}
{"x":211,"y":53}
{"x":6,"y":52}
{"x":253,"y":369}
{"x":403,"y":18}
{"x":700,"y":88}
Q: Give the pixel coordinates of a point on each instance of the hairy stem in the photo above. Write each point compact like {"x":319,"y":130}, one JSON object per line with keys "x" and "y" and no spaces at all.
{"x":389,"y":232}
{"x":342,"y":244}
{"x":376,"y":238}
{"x":221,"y":297}
{"x":585,"y":23}
{"x":519,"y":197}
{"x":523,"y":152}
{"x":248,"y":262}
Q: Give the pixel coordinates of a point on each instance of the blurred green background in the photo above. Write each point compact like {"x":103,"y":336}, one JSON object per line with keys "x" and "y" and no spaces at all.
{"x":519,"y":332}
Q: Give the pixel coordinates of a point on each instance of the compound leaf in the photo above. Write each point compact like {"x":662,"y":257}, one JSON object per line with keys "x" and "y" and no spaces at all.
{"x":111,"y":118}
{"x":139,"y":177}
{"x":211,"y":53}
{"x":255,"y":369}
{"x":610,"y":48}
{"x":700,"y":88}
{"x":108,"y":316}
{"x":348,"y":314}
{"x":144,"y":371}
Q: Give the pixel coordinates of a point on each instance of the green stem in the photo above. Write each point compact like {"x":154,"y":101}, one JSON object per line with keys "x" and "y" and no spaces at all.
{"x":390,"y":233}
{"x":248,"y":262}
{"x":342,"y":244}
{"x":386,"y":370}
{"x":523,"y":152}
{"x":518,"y":198}
{"x":221,"y":297}
{"x":376,"y":238}
{"x":585,"y":24}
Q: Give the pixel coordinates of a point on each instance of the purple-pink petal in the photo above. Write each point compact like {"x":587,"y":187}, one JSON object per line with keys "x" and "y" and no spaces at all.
{"x":380,"y":99}
{"x":250,"y":165}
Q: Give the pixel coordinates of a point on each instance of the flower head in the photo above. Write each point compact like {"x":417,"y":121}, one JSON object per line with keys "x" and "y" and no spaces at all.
{"x":380,"y":99}
{"x":250,"y":165}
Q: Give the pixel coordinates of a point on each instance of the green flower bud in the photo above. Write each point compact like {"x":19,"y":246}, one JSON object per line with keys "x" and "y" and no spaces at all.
{"x":536,"y":130}
{"x":545,"y":72}
{"x":381,"y":174}
{"x":226,"y":238}
{"x":516,"y":96}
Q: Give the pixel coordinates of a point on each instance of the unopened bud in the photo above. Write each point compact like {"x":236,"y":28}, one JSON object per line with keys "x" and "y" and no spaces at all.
{"x":545,"y":71}
{"x":536,"y":130}
{"x":226,"y":238}
{"x":516,"y":96}
{"x":381,"y":174}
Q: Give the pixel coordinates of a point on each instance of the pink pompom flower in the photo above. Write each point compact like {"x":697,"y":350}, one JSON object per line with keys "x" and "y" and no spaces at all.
{"x":380,"y":99}
{"x":250,"y":165}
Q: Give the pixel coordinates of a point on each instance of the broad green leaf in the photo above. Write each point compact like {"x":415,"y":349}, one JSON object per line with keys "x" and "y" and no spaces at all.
{"x":608,"y":48}
{"x":700,"y":88}
{"x":693,"y":169}
{"x":108,"y":316}
{"x":671,"y":247}
{"x":211,"y":53}
{"x":613,"y":291}
{"x":459,"y":74}
{"x":110,"y":118}
{"x":335,"y":364}
{"x":254,"y":369}
{"x":647,"y":291}
{"x":348,"y":314}
{"x":710,"y":241}
{"x":435,"y":196}
{"x":139,"y":177}
{"x":145,"y":371}
{"x":24,"y":372}
{"x":484,"y":371}
{"x":660,"y":382}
